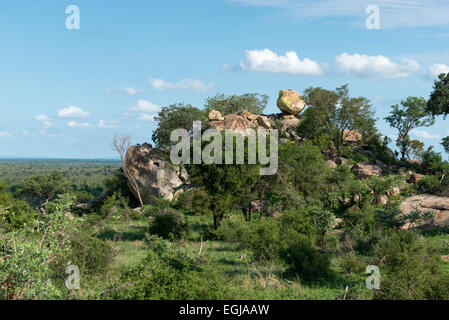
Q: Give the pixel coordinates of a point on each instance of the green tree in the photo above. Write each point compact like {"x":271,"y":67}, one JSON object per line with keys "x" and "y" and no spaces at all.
{"x":303,"y":169}
{"x":43,"y":188}
{"x":438,"y":103}
{"x":445,"y":144}
{"x":253,"y":102}
{"x":175,"y":116}
{"x":226,"y":185}
{"x":334,"y":114}
{"x":410,"y":115}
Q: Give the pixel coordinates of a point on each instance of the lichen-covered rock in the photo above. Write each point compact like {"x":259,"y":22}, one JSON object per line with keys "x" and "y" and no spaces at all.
{"x":154,"y":175}
{"x":290,"y":102}
{"x":214,"y":115}
{"x":394,"y":192}
{"x":365,"y":171}
{"x":352,"y":136}
{"x":241,"y":122}
{"x":416,"y":177}
{"x":331,"y":164}
{"x":438,"y":206}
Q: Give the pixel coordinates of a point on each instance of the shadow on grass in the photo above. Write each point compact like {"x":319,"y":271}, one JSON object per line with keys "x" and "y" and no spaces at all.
{"x":135,"y":233}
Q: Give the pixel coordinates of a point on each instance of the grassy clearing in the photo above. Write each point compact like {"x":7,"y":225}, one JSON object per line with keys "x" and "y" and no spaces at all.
{"x":244,"y":279}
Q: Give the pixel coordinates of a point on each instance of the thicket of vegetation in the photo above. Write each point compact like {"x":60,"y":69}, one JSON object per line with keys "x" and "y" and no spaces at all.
{"x":313,"y":233}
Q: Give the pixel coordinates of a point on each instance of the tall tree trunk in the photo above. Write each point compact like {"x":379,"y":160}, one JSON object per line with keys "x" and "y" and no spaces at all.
{"x":245,"y":215}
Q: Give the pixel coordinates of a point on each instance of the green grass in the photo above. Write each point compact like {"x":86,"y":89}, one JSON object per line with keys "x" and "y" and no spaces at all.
{"x":244,"y":278}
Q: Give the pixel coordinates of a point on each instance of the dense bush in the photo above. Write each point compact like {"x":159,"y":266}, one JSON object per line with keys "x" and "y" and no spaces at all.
{"x":90,"y":254}
{"x":304,"y":260}
{"x":164,"y":275}
{"x":169,"y":223}
{"x":30,"y":256}
{"x":410,"y":268}
{"x":429,"y":184}
{"x":262,"y":238}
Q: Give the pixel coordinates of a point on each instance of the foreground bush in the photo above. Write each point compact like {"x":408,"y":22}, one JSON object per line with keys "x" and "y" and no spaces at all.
{"x":305,"y":261}
{"x":169,"y":222}
{"x":29,"y":257}
{"x":410,"y":269}
{"x":164,"y":275}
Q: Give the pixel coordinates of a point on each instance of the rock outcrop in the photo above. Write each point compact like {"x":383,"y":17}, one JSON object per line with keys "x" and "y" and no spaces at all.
{"x":415,"y":178}
{"x":438,"y":206}
{"x":154,"y":175}
{"x":352,"y":136}
{"x":240,"y":122}
{"x":365,"y":171}
{"x":290,"y":102}
{"x":331,"y":164}
{"x":215,"y":115}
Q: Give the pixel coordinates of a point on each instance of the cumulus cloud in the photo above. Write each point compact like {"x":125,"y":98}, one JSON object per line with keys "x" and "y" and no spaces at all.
{"x":45,"y":120}
{"x":72,"y":112}
{"x":268,"y":61}
{"x":74,"y":124}
{"x":144,"y":106}
{"x":5,"y":134}
{"x":145,"y":110}
{"x":437,"y":69}
{"x":425,"y":134}
{"x":183,"y":84}
{"x":146,"y":117}
{"x":107,"y":124}
{"x":375,"y":66}
{"x":125,"y":90}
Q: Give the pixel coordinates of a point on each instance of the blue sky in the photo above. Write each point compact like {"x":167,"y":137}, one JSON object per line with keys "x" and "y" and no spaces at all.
{"x":65,"y":93}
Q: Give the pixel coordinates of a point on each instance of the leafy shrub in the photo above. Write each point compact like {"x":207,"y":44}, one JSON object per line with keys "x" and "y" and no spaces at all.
{"x":433,"y":164}
{"x":30,"y":256}
{"x":90,"y":254}
{"x":429,"y":184}
{"x":163,"y":275}
{"x":169,"y":222}
{"x":304,"y":260}
{"x":262,"y":238}
{"x":410,"y":268}
{"x":299,"y":221}
{"x":350,"y":263}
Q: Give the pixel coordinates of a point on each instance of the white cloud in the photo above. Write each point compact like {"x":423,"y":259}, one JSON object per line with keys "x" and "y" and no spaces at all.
{"x":424,"y":134}
{"x":72,"y":112}
{"x":184,"y":84}
{"x":107,"y":124}
{"x":438,"y":69}
{"x":45,"y":120}
{"x":145,"y":106}
{"x":375,"y":66}
{"x":146,"y":117}
{"x":4,"y":134}
{"x":74,"y":124}
{"x":393,"y":13}
{"x":268,"y":61}
{"x":125,"y":90}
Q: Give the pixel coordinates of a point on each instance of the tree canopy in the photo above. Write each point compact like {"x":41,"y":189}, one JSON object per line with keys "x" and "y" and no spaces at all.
{"x":334,"y":114}
{"x":175,"y":116}
{"x":253,"y":102}
{"x":411,"y":114}
{"x":438,"y":103}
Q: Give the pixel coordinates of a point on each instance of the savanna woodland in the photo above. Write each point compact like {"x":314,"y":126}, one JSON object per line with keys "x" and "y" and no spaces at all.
{"x":145,"y":228}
